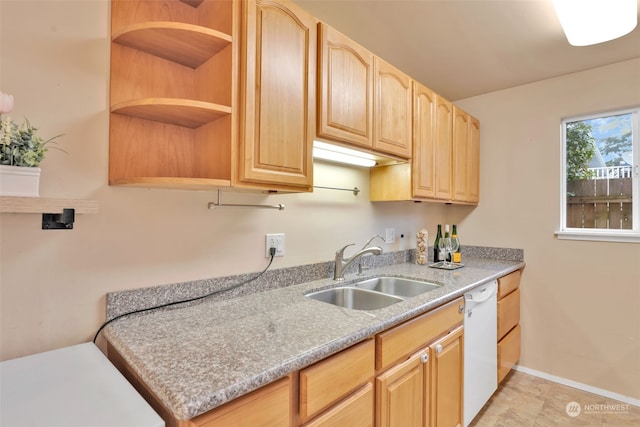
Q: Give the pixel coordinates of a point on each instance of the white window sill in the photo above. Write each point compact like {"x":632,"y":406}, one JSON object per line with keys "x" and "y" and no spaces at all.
{"x":625,"y":236}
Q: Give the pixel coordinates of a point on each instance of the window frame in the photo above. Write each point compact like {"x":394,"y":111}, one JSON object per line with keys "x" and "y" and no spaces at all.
{"x":602,"y":234}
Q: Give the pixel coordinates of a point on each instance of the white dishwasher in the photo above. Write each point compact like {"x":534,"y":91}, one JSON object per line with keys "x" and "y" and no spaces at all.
{"x":480,"y":348}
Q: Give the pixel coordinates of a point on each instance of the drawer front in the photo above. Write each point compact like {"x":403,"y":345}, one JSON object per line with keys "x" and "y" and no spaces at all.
{"x":354,"y":411}
{"x":268,"y":407}
{"x":508,"y":283}
{"x":329,"y":380}
{"x":403,"y":340}
{"x":508,"y":313}
{"x":508,"y":352}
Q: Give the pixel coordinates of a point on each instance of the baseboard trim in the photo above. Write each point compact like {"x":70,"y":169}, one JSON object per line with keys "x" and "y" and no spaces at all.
{"x":579,"y":386}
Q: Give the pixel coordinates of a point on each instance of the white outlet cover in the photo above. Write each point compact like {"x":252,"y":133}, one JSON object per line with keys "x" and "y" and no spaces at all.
{"x":274,"y":241}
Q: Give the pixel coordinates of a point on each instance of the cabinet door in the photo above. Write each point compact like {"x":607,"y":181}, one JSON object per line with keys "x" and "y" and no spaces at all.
{"x":473,"y":162}
{"x":278,"y":93}
{"x":460,"y":148}
{"x":345,"y":88}
{"x":392,"y":121}
{"x":466,"y":157}
{"x":446,"y":380}
{"x":424,"y":133}
{"x":401,"y":395}
{"x":444,"y":120}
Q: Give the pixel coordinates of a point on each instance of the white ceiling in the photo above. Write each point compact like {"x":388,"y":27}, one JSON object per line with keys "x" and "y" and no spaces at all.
{"x":463,"y":48}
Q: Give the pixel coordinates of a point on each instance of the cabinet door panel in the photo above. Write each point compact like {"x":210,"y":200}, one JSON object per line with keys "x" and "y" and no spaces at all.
{"x":444,"y":121}
{"x":460,"y":154}
{"x":279,"y":94}
{"x":508,"y":352}
{"x":446,"y":380}
{"x":473,"y":153}
{"x":345,"y":89}
{"x":392,"y":123}
{"x":400,"y":394}
{"x":508,"y":312}
{"x":424,"y":126}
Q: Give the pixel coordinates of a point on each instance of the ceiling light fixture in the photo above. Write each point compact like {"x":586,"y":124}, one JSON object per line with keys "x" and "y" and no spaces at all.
{"x":587,"y":22}
{"x":335,"y":153}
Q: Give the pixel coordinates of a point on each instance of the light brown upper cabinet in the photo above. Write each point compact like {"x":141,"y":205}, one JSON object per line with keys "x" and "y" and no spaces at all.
{"x":428,"y":176}
{"x":392,"y":110}
{"x":193,"y":108}
{"x":171,"y":90}
{"x":466,"y":157}
{"x":278,"y":92}
{"x":345,"y":89}
{"x":363,"y":100}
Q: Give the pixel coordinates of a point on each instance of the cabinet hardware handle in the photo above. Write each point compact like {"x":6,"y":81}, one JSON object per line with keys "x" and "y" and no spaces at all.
{"x":460,"y":308}
{"x":425,"y":358}
{"x":439,"y":348}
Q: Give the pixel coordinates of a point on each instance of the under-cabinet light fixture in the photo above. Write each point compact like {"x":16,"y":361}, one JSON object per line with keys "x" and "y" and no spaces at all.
{"x":336,"y":153}
{"x":588,"y":22}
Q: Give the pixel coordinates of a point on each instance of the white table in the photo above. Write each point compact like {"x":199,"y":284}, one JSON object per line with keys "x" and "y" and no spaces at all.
{"x":69,"y":387}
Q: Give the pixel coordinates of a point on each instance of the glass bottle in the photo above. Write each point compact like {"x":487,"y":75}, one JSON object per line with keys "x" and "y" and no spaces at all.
{"x":446,"y":256}
{"x":457,"y":255}
{"x":436,"y":250}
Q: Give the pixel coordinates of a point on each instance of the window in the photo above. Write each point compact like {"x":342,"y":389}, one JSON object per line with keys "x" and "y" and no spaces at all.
{"x":600,"y":190}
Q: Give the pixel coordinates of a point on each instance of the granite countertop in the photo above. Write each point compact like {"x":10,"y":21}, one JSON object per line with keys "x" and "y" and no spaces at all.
{"x":198,"y":357}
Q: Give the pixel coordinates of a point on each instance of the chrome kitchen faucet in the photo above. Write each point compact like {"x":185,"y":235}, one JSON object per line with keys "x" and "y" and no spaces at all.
{"x":342,"y":264}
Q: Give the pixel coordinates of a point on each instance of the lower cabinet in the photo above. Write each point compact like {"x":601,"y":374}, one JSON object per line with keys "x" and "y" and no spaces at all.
{"x":424,"y":388}
{"x":508,"y":323}
{"x":410,"y":375}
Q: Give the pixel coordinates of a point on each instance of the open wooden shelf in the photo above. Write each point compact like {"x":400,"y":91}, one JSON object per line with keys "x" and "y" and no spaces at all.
{"x":180,"y":112}
{"x":186,"y":44}
{"x":40,"y":205}
{"x":179,"y":183}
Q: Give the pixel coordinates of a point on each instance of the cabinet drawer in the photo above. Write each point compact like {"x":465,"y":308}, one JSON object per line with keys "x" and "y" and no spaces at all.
{"x":508,"y":283}
{"x":508,"y":352}
{"x":399,"y":342}
{"x":508,"y":313}
{"x":268,"y":407}
{"x":331,"y":379}
{"x":354,"y":411}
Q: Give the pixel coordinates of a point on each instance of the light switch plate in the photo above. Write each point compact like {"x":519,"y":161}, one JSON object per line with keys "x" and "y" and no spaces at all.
{"x":389,"y":235}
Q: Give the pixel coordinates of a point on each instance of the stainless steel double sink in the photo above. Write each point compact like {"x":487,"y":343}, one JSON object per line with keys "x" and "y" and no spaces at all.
{"x":372,"y":294}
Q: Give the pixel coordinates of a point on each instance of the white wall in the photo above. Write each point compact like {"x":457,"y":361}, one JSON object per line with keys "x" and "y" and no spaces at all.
{"x":580,"y":313}
{"x":53,"y":283}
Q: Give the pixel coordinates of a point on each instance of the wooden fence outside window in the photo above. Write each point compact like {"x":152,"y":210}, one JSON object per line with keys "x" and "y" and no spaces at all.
{"x":599,"y":203}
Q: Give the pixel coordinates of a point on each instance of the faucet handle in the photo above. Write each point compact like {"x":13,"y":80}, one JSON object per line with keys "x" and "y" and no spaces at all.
{"x":340,"y":252}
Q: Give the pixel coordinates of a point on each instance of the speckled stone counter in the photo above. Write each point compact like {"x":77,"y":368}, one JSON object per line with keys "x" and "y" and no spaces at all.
{"x":198,"y":357}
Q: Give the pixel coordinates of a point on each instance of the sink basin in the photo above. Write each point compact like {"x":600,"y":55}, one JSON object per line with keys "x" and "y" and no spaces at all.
{"x":396,"y":286}
{"x":355,"y":298}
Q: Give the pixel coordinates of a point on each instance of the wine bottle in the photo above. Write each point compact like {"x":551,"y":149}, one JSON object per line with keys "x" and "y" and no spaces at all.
{"x":445,"y":255}
{"x":457,"y":255}
{"x":436,"y":243}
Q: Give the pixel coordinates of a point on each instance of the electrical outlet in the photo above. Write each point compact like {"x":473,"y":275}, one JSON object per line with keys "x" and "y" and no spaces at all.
{"x":274,"y":241}
{"x":389,"y":235}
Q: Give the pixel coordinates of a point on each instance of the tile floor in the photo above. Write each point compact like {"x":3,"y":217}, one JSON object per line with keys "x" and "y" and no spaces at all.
{"x":523,"y":400}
